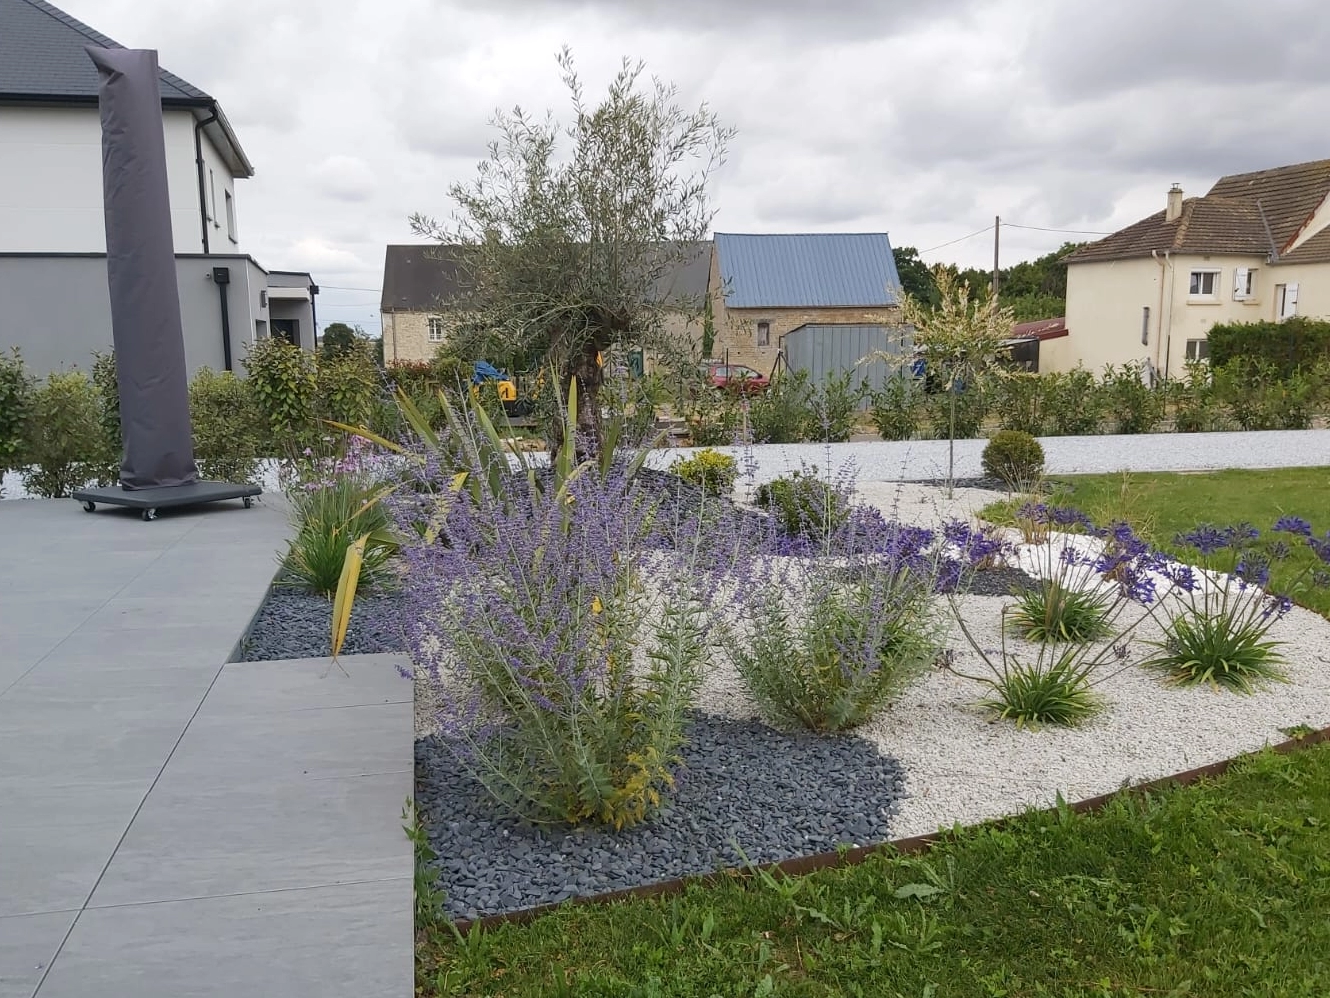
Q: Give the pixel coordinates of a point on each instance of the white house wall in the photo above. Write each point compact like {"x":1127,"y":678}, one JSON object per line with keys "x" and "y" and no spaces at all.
{"x":51,"y":182}
{"x":1104,"y":302}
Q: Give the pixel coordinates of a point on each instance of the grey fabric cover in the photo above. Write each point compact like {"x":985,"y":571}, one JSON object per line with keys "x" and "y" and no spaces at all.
{"x":140,"y":270}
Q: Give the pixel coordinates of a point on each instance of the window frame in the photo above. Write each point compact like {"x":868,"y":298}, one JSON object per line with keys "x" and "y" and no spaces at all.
{"x":1214,"y":273}
{"x":1201,"y":351}
{"x":1248,"y":294}
{"x":230,"y":216}
{"x":434,"y":329}
{"x":763,"y":334}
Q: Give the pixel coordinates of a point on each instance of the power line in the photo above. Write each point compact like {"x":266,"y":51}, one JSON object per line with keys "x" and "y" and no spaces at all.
{"x":1040,"y":228}
{"x":962,"y":239}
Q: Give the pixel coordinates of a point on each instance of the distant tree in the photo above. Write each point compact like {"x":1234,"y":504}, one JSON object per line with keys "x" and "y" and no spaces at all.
{"x":1032,"y":289}
{"x":567,"y":248}
{"x":338,"y":338}
{"x":916,"y":278}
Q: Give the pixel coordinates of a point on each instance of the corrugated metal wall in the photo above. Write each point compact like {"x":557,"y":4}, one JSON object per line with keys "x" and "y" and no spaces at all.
{"x":826,"y":350}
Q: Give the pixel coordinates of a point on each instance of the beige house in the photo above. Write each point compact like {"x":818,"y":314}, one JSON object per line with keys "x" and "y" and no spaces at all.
{"x":766,"y":287}
{"x":1256,"y":247}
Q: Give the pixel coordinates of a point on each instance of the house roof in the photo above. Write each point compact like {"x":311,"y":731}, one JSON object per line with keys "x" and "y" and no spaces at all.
{"x":1040,"y":329}
{"x":420,"y":278}
{"x":813,"y":270}
{"x":43,"y":59}
{"x":1314,"y":250}
{"x":1231,"y":218}
{"x":424,"y":277}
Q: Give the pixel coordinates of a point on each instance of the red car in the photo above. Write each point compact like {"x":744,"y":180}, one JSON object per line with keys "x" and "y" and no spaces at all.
{"x":735,"y":378}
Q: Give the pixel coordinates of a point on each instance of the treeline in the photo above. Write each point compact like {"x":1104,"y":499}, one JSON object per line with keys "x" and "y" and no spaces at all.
{"x":1033,"y":289}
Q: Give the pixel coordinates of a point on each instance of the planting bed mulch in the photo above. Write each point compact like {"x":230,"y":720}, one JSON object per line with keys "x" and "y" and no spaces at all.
{"x":745,"y":791}
{"x":294,"y":623}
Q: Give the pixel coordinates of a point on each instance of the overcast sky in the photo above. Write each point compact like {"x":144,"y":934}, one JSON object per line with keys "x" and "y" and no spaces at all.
{"x":922,"y":119}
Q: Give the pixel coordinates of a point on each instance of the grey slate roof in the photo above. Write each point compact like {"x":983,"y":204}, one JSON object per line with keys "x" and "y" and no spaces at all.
{"x":813,"y":270}
{"x":41,"y":56}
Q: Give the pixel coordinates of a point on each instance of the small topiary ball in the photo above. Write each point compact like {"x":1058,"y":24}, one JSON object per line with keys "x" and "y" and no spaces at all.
{"x":1015,"y":457}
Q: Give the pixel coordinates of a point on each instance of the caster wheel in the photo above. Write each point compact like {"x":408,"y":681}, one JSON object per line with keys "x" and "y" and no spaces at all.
{"x":90,"y":507}
{"x":149,"y":514}
{"x":249,"y":501}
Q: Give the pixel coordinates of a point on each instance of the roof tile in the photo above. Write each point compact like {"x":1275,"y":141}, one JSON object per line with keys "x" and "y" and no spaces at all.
{"x":811,"y":270}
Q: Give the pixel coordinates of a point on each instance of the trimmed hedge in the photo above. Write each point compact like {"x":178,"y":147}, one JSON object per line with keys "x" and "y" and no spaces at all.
{"x":1296,"y":343}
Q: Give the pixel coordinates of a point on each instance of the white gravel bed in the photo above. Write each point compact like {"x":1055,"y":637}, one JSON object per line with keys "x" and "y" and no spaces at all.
{"x":916,"y":460}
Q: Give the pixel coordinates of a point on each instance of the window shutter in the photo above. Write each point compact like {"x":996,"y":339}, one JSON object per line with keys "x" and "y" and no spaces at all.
{"x":1240,"y":282}
{"x":1291,"y":299}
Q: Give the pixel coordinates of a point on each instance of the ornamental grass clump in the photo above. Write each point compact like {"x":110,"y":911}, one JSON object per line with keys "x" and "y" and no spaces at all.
{"x":1088,"y":577}
{"x":1218,"y":631}
{"x":564,"y":631}
{"x":826,"y":633}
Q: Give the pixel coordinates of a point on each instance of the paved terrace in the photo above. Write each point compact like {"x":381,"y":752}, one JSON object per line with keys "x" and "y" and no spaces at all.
{"x":169,"y":824}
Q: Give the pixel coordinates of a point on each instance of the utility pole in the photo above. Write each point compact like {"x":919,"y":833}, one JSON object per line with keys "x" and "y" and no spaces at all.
{"x":997,"y":226}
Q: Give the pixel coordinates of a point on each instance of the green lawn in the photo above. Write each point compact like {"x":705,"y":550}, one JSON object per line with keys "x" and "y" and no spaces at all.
{"x":1219,"y":889}
{"x":1161,"y":506}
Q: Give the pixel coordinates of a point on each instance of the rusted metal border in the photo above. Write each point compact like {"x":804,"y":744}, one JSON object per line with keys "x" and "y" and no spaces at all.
{"x":914,"y":845}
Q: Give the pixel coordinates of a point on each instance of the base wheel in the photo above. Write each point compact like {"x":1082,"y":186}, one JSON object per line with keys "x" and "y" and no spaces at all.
{"x":248,"y":501}
{"x":89,"y":507}
{"x":149,"y":514}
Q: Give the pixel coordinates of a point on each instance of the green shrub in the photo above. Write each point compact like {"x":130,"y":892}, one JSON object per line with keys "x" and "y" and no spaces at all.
{"x":1015,"y":457}
{"x":714,"y":418}
{"x":1055,"y":689}
{"x":64,"y":442}
{"x":106,"y":380}
{"x":832,"y":407}
{"x":227,"y":428}
{"x":1259,"y":399}
{"x":16,"y":391}
{"x":896,"y":408}
{"x":282,"y":378}
{"x":1073,"y":404}
{"x":709,"y":469}
{"x":1019,"y":402}
{"x":795,"y":664}
{"x":1051,"y":612}
{"x":971,"y":408}
{"x":1133,"y":405}
{"x":1197,"y":407}
{"x":347,"y":386}
{"x":804,"y":504}
{"x":1295,"y":344}
{"x":782,"y":414}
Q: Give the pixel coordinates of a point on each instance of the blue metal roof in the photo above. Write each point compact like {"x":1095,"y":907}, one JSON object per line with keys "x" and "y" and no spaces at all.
{"x":813,"y":270}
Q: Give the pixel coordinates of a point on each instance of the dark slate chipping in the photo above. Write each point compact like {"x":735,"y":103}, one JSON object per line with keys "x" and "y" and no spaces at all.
{"x":772,"y":794}
{"x":293,"y":623}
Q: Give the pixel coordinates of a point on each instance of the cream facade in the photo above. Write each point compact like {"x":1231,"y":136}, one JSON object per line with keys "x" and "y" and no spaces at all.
{"x":1144,"y":308}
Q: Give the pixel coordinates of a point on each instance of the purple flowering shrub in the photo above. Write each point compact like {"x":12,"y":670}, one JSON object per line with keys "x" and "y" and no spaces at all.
{"x":826,"y":628}
{"x":564,"y":632}
{"x":1218,"y":633}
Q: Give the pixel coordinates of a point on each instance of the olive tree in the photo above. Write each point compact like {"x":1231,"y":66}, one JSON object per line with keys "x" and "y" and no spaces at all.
{"x":569,"y":235}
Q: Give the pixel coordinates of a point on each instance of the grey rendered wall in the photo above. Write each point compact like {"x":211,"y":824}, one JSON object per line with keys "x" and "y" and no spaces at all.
{"x":824,"y":351}
{"x":57,"y":310}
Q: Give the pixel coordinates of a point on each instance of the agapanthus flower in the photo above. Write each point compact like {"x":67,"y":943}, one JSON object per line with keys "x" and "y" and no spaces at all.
{"x":1206,"y":538}
{"x":1293,"y":525}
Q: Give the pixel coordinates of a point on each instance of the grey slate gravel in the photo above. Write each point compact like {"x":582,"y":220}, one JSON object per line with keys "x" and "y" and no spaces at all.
{"x":777,"y":795}
{"x":294,"y":623}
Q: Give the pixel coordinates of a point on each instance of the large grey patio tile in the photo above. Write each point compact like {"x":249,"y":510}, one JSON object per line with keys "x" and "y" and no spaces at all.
{"x":74,"y":724}
{"x":230,"y":608}
{"x":186,"y":644}
{"x":22,"y":652}
{"x":56,"y":837}
{"x":265,"y":687}
{"x":352,"y":941}
{"x":195,"y":840}
{"x":34,"y":612}
{"x":27,"y":945}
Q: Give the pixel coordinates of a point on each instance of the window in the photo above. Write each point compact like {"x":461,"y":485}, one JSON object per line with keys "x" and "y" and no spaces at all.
{"x":1198,"y":349}
{"x":1286,"y":298}
{"x":230,"y":217}
{"x":1145,"y":326}
{"x":435,"y":329}
{"x":764,"y":334}
{"x":1203,"y":283}
{"x":1244,"y":283}
{"x":212,"y":204}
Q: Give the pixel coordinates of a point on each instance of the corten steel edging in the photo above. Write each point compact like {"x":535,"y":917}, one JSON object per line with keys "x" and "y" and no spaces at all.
{"x":914,"y":845}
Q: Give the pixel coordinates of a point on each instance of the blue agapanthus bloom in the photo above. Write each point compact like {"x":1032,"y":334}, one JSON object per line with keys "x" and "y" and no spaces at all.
{"x":1253,"y":569}
{"x":1321,"y":547}
{"x":1067,"y":516}
{"x":1206,"y":538}
{"x":1293,"y":525}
